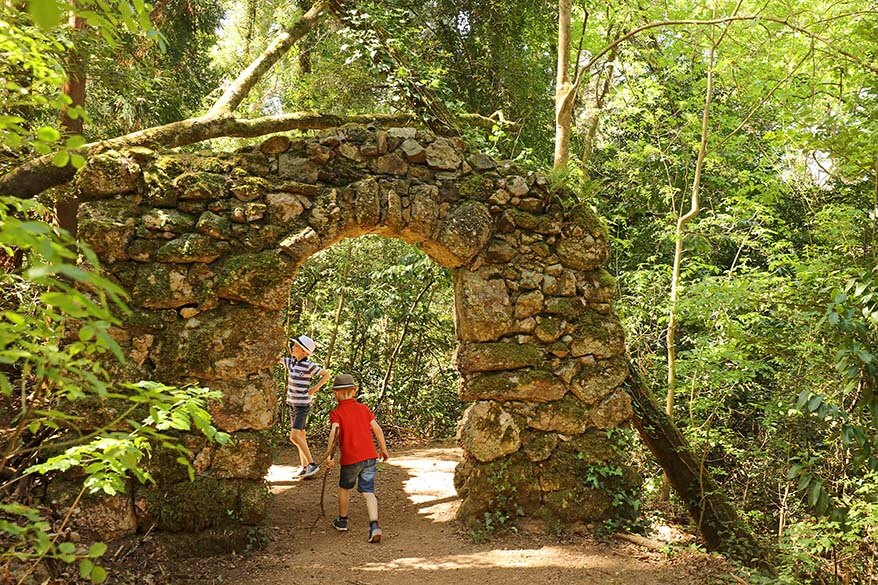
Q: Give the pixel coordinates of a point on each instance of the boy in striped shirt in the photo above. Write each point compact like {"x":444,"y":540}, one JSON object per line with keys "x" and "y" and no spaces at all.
{"x":300,"y":373}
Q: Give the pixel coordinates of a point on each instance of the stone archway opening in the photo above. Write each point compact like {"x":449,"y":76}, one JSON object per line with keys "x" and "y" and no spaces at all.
{"x":208,"y":243}
{"x":382,"y":310}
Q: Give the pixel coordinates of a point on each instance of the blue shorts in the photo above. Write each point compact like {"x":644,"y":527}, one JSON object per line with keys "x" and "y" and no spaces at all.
{"x":362,"y":473}
{"x":299,"y":416}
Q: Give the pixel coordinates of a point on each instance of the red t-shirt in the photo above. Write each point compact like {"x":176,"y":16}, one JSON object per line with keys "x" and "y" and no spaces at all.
{"x":354,"y":431}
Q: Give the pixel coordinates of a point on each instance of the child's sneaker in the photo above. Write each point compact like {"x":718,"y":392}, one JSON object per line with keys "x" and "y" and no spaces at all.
{"x":299,"y":472}
{"x":310,"y":471}
{"x":340,"y":524}
{"x":374,"y":532}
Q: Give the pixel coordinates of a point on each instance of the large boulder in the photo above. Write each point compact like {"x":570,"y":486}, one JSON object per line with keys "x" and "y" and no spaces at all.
{"x":530,"y":385}
{"x":483,"y":310}
{"x":488,"y":432}
{"x":228,"y":342}
{"x":247,"y":403}
{"x":262,"y":280}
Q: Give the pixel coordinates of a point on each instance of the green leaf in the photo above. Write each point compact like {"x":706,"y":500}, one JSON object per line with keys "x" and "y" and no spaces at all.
{"x":96,"y":550}
{"x":61,"y":158}
{"x":814,"y":492}
{"x":74,"y":141}
{"x":98,"y":575}
{"x":85,"y":568}
{"x":67,"y":548}
{"x":77,"y":160}
{"x":48,"y":134}
{"x":46,"y":14}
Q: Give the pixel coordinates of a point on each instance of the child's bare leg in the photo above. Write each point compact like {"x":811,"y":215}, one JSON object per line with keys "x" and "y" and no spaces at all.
{"x":297,"y":436}
{"x":344,"y":502}
{"x":371,"y":506}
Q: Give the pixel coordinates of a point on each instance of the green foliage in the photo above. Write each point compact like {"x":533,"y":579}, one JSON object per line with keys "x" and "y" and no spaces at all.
{"x":62,"y":407}
{"x":35,"y":44}
{"x":608,"y":477}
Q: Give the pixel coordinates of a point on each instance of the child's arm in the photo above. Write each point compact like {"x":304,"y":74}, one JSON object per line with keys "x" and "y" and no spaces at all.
{"x":379,"y":434}
{"x":324,"y":378}
{"x":330,"y":449}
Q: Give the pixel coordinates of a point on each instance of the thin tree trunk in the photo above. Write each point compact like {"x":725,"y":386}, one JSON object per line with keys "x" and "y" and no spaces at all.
{"x":66,"y":207}
{"x":716,"y":519}
{"x":564,"y":91}
{"x":307,"y":45}
{"x":601,"y":91}
{"x":694,"y":208}
{"x":340,"y":306}
{"x":385,"y":383}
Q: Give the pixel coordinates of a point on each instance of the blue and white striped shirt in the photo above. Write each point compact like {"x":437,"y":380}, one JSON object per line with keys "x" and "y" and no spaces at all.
{"x":299,"y":374}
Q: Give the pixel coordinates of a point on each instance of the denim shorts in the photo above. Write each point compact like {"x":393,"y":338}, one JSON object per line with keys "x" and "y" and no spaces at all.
{"x":362,"y":473}
{"x":298,"y":416}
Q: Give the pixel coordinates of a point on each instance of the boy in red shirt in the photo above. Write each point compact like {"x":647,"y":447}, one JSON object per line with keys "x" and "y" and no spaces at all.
{"x":353,"y":424}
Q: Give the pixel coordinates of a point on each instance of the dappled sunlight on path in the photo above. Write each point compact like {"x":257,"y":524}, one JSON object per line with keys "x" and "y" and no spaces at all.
{"x":421,"y":542}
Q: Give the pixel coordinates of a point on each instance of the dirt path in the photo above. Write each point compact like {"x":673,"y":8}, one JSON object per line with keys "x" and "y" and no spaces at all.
{"x":422,"y":543}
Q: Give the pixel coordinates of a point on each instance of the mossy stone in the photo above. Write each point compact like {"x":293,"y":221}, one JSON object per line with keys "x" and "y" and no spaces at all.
{"x":483,"y":357}
{"x":199,"y":186}
{"x":567,"y":415}
{"x":262,"y":279}
{"x":533,"y":385}
{"x":593,"y":382}
{"x":190,"y":248}
{"x":598,"y":335}
{"x":162,"y":286}
{"x":227,"y":342}
{"x":476,"y":186}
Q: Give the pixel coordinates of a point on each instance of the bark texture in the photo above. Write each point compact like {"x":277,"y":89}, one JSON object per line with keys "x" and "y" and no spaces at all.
{"x":716,"y":519}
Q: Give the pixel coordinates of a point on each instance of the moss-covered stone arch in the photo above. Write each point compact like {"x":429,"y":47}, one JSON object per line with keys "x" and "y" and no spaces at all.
{"x":208,"y":243}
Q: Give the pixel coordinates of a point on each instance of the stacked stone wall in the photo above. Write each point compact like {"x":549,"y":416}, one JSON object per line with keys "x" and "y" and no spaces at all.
{"x":207,"y":245}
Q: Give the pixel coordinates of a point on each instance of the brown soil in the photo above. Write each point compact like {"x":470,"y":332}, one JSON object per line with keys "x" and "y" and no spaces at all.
{"x":423,"y":544}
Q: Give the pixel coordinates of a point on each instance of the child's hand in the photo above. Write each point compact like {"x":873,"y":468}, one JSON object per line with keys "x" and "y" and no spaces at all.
{"x":384,"y":455}
{"x":329,"y":463}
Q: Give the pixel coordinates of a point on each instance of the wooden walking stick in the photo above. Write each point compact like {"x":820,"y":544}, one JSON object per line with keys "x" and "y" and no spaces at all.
{"x":330,"y":452}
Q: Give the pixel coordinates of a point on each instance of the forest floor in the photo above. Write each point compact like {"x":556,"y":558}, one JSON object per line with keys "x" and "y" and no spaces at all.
{"x":423,"y":544}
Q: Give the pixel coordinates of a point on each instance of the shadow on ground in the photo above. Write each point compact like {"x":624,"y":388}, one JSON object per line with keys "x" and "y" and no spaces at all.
{"x":422,"y":542}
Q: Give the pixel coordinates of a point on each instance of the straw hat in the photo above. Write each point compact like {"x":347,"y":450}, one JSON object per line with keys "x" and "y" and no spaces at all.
{"x":344,"y":382}
{"x":306,"y":343}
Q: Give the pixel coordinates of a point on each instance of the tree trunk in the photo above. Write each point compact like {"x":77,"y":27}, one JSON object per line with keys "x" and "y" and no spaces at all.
{"x":307,"y":45}
{"x":385,"y":383}
{"x":601,"y":91}
{"x":66,"y":207}
{"x":340,"y":306}
{"x":715,"y":518}
{"x":564,"y":91}
{"x":694,"y":208}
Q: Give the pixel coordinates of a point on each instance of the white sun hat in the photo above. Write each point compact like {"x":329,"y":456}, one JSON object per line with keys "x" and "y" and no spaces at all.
{"x":306,"y":343}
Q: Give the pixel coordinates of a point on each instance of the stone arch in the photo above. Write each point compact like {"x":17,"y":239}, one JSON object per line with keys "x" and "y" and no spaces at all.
{"x":208,"y":243}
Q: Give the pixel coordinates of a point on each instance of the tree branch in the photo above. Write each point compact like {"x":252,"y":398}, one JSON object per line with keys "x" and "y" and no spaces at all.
{"x":40,"y":174}
{"x":238,"y":89}
{"x":728,"y":19}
